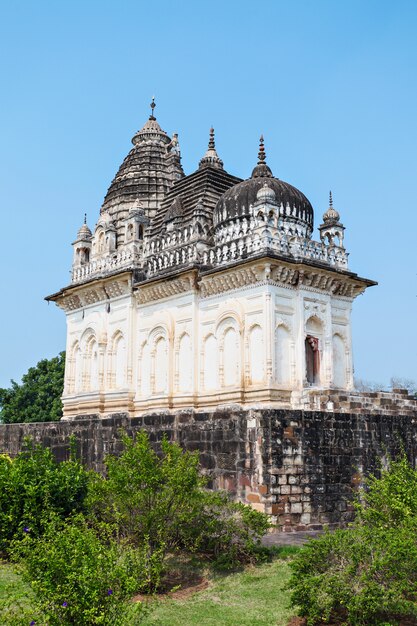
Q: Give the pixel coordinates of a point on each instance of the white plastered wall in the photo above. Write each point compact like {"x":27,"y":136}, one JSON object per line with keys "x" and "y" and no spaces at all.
{"x":242,"y":346}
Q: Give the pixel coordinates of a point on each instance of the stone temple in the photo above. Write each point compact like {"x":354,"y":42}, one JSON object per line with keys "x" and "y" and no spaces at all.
{"x":205,"y":290}
{"x":201,"y":309}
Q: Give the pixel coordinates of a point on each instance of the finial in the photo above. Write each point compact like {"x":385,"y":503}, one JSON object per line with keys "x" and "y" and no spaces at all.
{"x":262,"y":168}
{"x":330,"y":200}
{"x":85,"y":218}
{"x":152,"y":105}
{"x":211,"y":158}
{"x":261,"y":153}
{"x":211,"y":144}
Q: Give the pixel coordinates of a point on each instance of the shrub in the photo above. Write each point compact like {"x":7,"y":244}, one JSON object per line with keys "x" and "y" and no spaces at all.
{"x":161,"y":500}
{"x":80,"y":576}
{"x":228,"y":532}
{"x":367,"y":573}
{"x":34,"y":484}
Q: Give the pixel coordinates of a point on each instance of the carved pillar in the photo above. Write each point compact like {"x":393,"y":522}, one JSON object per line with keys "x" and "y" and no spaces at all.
{"x":101,"y":362}
{"x":176,"y":366}
{"x":170,"y":364}
{"x":152,"y":364}
{"x":85,"y":378}
{"x":221,"y":364}
{"x":241,"y":339}
{"x":268,"y":338}
{"x":109,"y":369}
{"x":247,"y":378}
{"x":69,"y":375}
{"x":293,"y":375}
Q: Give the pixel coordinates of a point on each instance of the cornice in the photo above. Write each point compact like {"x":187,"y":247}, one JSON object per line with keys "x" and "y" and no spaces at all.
{"x":157,"y":290}
{"x":81,"y":296}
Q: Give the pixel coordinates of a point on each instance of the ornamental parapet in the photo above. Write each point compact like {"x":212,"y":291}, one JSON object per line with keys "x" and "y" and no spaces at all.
{"x":124,"y":259}
{"x":299,"y":249}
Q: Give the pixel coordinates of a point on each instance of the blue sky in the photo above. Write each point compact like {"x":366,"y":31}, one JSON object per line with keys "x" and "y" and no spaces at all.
{"x":332,"y":85}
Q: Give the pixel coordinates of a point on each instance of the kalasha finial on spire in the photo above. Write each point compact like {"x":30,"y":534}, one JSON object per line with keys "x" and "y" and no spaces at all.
{"x":211,"y":144}
{"x":152,"y":105}
{"x":261,"y":169}
{"x":85,"y":218}
{"x":261,"y":153}
{"x":331,"y":215}
{"x":211,"y":157}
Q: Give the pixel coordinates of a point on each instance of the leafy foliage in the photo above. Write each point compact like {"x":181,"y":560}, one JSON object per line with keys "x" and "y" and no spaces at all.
{"x":161,"y":501}
{"x":366,"y":574}
{"x":38,"y":397}
{"x":80,"y":576}
{"x":79,"y":534}
{"x":32,"y":486}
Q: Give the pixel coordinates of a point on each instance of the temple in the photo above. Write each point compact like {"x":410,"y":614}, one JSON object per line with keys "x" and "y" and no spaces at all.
{"x":205,"y":290}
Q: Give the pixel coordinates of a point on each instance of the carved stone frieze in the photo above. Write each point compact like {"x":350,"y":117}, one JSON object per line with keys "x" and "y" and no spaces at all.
{"x":116,"y":288}
{"x":93,"y":293}
{"x":227,"y":281}
{"x":165,"y":289}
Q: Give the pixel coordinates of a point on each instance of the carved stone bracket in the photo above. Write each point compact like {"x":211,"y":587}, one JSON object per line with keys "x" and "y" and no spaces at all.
{"x":92,"y":293}
{"x":166,"y":288}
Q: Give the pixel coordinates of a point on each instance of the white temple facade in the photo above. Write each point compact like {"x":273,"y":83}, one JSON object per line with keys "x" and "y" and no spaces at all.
{"x":204,"y":290}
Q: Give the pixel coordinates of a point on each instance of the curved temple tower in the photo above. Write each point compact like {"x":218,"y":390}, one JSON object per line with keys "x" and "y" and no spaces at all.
{"x":204,"y":290}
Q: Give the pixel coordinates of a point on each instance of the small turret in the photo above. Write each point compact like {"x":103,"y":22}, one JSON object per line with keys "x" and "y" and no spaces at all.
{"x":82,"y":245}
{"x":332,"y":229}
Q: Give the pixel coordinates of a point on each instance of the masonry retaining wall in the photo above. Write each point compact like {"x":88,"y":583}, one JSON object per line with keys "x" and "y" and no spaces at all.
{"x":301,"y":467}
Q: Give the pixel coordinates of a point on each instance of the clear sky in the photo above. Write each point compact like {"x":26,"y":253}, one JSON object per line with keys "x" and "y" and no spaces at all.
{"x":332,"y":85}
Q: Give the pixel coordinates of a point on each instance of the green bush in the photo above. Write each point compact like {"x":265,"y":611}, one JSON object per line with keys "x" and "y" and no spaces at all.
{"x":367,"y":573}
{"x":228,"y":532}
{"x":80,"y":576}
{"x":160,"y":500}
{"x":33,"y":485}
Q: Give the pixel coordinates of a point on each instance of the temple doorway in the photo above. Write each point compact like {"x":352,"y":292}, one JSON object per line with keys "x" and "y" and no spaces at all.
{"x":312,"y":360}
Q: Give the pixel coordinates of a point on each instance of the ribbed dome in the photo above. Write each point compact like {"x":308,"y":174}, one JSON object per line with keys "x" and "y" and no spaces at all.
{"x":146,"y":175}
{"x":235,"y":202}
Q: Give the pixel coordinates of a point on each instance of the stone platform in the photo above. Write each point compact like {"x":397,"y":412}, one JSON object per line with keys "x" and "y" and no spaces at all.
{"x":301,"y":467}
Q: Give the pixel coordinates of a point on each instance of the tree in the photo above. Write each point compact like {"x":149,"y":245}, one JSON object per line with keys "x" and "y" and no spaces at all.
{"x":404,"y":383}
{"x":38,"y":397}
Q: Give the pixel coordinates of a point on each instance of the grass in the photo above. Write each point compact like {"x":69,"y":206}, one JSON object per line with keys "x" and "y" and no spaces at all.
{"x":14,"y":593}
{"x":254,"y":596}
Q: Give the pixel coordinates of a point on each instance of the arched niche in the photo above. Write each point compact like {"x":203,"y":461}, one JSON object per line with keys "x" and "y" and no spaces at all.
{"x":119,"y":361}
{"x":76,"y":368}
{"x":313,"y":347}
{"x":231,"y":357}
{"x":185,"y":364}
{"x":282,"y":355}
{"x":161,"y":365}
{"x":256,"y":355}
{"x":92,"y":365}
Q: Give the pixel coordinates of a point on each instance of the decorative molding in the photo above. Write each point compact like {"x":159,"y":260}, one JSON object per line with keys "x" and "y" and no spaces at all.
{"x":226,"y":281}
{"x":166,"y":288}
{"x":93,"y":293}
